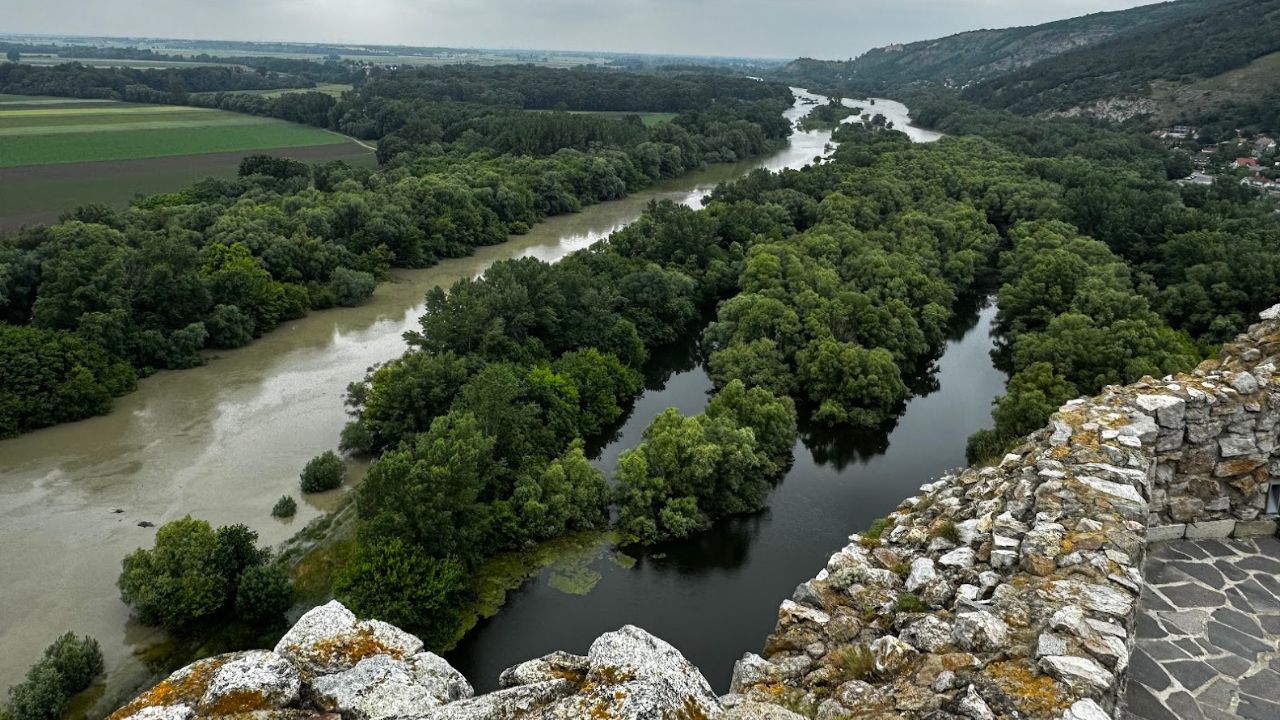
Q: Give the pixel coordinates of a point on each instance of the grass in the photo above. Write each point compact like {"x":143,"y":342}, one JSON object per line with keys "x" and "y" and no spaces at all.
{"x":1239,"y":85}
{"x":32,"y":133}
{"x":18,"y":150}
{"x":648,"y":118}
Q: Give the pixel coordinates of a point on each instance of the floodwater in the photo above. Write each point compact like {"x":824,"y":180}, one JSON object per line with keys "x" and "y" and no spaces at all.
{"x":715,"y":596}
{"x":222,"y":442}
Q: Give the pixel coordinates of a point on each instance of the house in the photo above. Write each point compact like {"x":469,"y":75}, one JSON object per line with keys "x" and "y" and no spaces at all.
{"x":1246,"y":162}
{"x":1262,"y":184}
{"x":1264,"y":144}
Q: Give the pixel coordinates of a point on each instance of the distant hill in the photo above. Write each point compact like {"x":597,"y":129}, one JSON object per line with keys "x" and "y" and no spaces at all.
{"x":970,"y":57}
{"x":1218,"y":58}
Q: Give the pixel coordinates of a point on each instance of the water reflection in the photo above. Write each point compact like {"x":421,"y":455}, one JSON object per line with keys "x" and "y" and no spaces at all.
{"x":715,"y":596}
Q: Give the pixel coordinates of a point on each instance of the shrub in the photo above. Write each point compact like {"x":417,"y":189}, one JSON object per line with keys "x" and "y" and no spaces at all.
{"x":323,"y":472}
{"x":69,"y":666}
{"x":351,"y":287}
{"x":177,"y":582}
{"x":400,"y":584}
{"x":193,"y":574}
{"x":265,"y":593}
{"x":285,"y":507}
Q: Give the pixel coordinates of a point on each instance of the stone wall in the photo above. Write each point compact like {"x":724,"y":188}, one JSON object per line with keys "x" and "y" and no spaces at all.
{"x":1010,"y":591}
{"x":998,"y":592}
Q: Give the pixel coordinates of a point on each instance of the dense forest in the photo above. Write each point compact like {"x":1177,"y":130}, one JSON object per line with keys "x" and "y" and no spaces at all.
{"x":88,"y":305}
{"x":830,"y":285}
{"x":159,"y":85}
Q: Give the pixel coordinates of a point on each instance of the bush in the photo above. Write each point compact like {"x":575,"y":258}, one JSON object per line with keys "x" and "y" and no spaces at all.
{"x":176,"y":583}
{"x":402,"y":585}
{"x":195,"y":575}
{"x":323,"y":472}
{"x":351,"y":287}
{"x":285,"y":507}
{"x":265,"y":593}
{"x":69,"y":666}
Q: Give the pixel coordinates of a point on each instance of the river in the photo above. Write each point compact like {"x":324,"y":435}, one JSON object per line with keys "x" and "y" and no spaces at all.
{"x":716,"y":596}
{"x":222,"y":442}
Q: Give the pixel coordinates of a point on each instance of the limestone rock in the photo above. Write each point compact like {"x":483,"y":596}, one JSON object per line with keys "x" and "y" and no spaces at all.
{"x":525,"y":702}
{"x":254,"y":680}
{"x":922,"y":573}
{"x":1085,"y":710}
{"x":980,"y":631}
{"x":752,"y":670}
{"x":329,"y":639}
{"x":930,"y":633}
{"x":891,"y":655}
{"x":1080,"y":674}
{"x":634,"y":675}
{"x":556,"y":666}
{"x":382,"y":686}
{"x":971,"y":705}
{"x":753,"y":710}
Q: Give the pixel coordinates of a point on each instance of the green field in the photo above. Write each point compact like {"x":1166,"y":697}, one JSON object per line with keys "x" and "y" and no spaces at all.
{"x":59,"y":153}
{"x":334,"y":89}
{"x":34,"y":131}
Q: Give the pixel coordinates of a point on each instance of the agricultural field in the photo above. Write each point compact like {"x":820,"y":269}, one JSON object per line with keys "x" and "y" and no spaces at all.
{"x":35,"y":59}
{"x":57,"y":153}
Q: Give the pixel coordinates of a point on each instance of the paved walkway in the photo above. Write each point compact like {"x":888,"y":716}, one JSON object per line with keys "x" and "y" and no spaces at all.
{"x":1208,"y":635}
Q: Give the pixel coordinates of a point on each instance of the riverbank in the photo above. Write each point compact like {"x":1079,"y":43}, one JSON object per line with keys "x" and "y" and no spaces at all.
{"x":224,"y":441}
{"x":715,"y":595}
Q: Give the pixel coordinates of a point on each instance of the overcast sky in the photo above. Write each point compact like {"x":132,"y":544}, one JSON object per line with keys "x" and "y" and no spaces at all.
{"x":763,"y":28}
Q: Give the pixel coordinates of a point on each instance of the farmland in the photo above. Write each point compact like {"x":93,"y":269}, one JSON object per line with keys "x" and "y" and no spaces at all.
{"x":57,"y":153}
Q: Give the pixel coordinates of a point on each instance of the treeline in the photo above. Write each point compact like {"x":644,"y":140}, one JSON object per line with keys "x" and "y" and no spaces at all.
{"x":104,"y":297}
{"x":585,"y":88}
{"x":156,"y":85}
{"x":327,"y":71}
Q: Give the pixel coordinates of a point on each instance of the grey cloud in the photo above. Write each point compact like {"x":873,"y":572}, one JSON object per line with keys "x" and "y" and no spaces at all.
{"x":767,"y":28}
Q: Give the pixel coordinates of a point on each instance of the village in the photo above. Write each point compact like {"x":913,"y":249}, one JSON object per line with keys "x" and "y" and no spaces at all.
{"x":1254,"y":161}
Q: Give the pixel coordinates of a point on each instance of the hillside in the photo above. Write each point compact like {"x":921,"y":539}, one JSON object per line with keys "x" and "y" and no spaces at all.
{"x":959,"y":60}
{"x":1192,"y":67}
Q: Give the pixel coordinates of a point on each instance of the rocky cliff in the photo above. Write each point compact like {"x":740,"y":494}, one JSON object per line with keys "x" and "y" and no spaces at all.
{"x":998,"y":592}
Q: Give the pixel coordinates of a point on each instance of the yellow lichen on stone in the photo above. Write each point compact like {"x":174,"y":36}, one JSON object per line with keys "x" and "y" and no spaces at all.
{"x":351,"y":649}
{"x":185,"y":687}
{"x":1032,"y":693}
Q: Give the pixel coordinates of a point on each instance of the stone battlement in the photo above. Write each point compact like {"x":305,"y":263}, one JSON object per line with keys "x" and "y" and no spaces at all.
{"x":1011,"y":591}
{"x":998,"y":592}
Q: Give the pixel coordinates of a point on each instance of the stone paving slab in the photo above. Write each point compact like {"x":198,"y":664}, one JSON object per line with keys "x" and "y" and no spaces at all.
{"x":1207,"y":645}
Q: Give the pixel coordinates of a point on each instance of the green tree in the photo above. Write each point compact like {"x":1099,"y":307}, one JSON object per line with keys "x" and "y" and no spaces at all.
{"x":849,"y":383}
{"x":569,"y":494}
{"x":265,"y":593}
{"x":351,"y":287}
{"x":323,"y":472}
{"x":403,"y":585}
{"x":428,"y":492}
{"x":178,"y":582}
